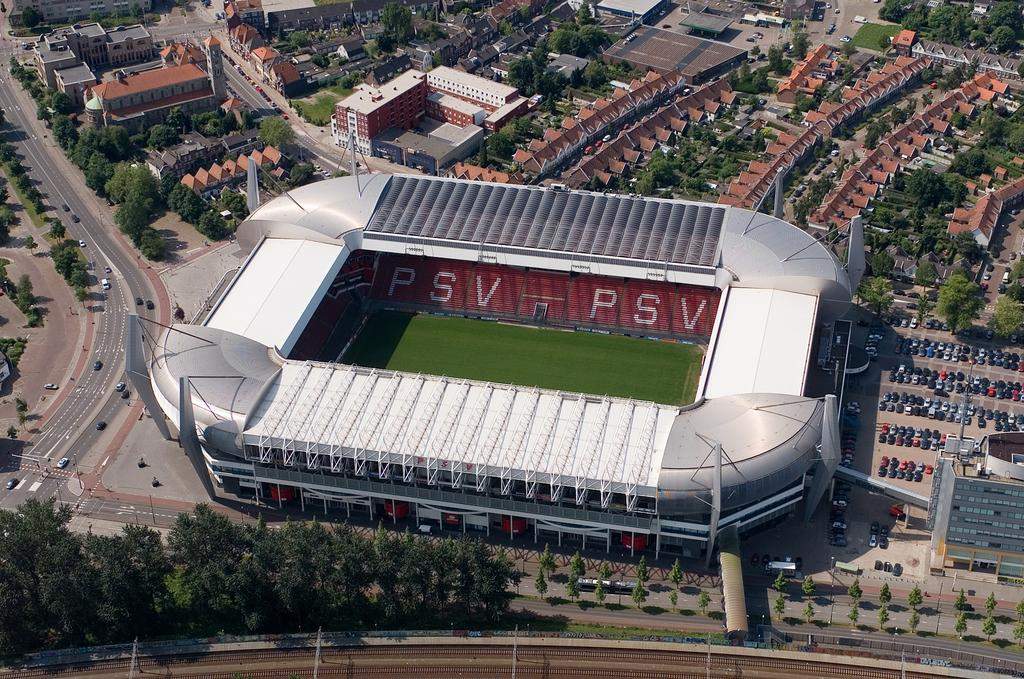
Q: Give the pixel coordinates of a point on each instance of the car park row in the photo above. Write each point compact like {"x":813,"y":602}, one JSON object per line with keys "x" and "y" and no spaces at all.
{"x":941,"y":410}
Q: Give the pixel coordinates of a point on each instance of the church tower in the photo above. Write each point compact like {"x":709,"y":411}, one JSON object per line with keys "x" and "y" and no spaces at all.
{"x":215,"y":66}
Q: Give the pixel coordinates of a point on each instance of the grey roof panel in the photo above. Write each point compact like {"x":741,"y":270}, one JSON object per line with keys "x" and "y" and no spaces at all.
{"x":603,"y":225}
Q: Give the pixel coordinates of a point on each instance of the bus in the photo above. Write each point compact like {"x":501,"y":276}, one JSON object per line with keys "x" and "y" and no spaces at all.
{"x":787,"y":567}
{"x":610,"y":586}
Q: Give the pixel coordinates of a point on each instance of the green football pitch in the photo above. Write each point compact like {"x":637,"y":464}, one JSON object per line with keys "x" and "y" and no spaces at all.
{"x":663,"y":372}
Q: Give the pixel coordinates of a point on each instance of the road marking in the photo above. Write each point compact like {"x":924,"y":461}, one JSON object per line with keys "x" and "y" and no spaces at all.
{"x":35,"y":486}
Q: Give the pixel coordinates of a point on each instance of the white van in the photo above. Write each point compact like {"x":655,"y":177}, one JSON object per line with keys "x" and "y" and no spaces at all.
{"x":105,"y":283}
{"x":1006,"y":277}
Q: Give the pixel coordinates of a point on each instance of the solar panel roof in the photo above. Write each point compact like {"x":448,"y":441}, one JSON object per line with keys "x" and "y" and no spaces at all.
{"x":577,"y":223}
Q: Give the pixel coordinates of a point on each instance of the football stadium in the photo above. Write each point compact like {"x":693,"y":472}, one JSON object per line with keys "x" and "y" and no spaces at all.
{"x":622,"y":372}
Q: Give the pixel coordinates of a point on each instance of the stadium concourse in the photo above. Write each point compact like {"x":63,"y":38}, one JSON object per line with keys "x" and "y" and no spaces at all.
{"x":259,"y":395}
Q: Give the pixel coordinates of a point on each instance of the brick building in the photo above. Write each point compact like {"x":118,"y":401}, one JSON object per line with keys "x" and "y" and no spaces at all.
{"x":371,"y":110}
{"x":139,"y":100}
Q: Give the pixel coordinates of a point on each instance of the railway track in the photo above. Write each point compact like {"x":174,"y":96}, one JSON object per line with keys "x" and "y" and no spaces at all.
{"x":425,"y":661}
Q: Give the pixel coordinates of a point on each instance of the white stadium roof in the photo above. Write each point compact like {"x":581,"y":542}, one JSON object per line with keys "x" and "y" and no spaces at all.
{"x":767,"y":346}
{"x":472,"y":428}
{"x":277,"y":290}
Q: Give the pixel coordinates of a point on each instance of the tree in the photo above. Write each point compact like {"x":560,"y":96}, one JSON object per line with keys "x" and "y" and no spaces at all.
{"x":599,"y":593}
{"x":799,"y":42}
{"x":98,"y":171}
{"x":881,"y":263}
{"x":808,"y":586}
{"x":959,"y":301}
{"x":64,"y":131}
{"x":780,"y":606}
{"x":186,"y":203}
{"x":925,"y":274}
{"x":300,"y":174}
{"x":876,"y":292}
{"x":961,"y":624}
{"x":639,"y":594}
{"x":276,"y":132}
{"x":809,"y":612}
{"x":212,"y":225}
{"x":396,"y":20}
{"x":780,"y":582}
{"x":854,"y":591}
{"x":703,"y":601}
{"x":576,"y":565}
{"x":642,"y":574}
{"x":988,"y":627}
{"x":12,"y":432}
{"x":961,"y":601}
{"x":914,"y":599}
{"x":1020,"y":609}
{"x":234,"y":202}
{"x":152,"y":245}
{"x":913,"y":621}
{"x":885,"y":595}
{"x":1003,"y":39}
{"x":546,"y":560}
{"x":924,"y":307}
{"x":990,"y":604}
{"x":854,"y":615}
{"x":883,"y":616}
{"x":162,"y":136}
{"x":676,"y":574}
{"x":30,"y":243}
{"x":31,"y":17}
{"x":1007,"y":316}
{"x":572,"y":587}
{"x":132,"y":217}
{"x":673,"y":598}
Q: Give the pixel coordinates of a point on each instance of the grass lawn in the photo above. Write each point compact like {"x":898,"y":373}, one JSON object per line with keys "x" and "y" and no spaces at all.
{"x":664,"y":372}
{"x":870,"y":35}
{"x":319,"y":108}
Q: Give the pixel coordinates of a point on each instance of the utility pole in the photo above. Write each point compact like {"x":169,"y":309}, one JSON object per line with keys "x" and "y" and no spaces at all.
{"x":515,"y":651}
{"x":316,"y":658}
{"x":135,"y":659}
{"x":708,"y":637}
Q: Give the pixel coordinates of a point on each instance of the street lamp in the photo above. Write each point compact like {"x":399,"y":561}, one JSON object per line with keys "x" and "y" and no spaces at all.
{"x":832,"y":591}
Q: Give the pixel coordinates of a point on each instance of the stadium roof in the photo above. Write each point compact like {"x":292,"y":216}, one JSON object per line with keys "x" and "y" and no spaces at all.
{"x":593,"y":224}
{"x":462,"y":426}
{"x":270,"y":300}
{"x":767,"y":346}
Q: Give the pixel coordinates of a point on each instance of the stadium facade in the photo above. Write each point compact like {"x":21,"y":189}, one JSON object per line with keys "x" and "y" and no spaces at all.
{"x":257,"y":395}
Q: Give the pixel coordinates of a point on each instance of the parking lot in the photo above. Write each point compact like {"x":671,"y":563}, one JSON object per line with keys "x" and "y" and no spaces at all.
{"x":861,"y":522}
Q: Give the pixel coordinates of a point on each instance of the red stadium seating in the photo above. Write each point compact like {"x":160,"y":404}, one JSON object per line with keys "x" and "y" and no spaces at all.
{"x":494,"y":289}
{"x":529,"y":295}
{"x":544,"y":288}
{"x":595,"y":300}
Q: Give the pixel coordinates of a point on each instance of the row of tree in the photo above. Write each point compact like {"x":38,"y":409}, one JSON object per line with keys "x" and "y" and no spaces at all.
{"x":213,"y":576}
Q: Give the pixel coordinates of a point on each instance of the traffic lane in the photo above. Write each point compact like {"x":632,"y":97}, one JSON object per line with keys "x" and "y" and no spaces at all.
{"x":112,"y":319}
{"x":89,"y":225}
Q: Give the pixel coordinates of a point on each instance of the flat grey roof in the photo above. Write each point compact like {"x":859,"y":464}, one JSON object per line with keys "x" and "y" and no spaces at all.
{"x":711,"y":23}
{"x":127,"y":32}
{"x":638,"y":7}
{"x":577,"y":223}
{"x":664,"y":50}
{"x":76,"y":74}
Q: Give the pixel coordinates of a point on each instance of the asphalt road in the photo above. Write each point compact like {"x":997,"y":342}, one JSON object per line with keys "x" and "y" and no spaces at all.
{"x":71,"y":431}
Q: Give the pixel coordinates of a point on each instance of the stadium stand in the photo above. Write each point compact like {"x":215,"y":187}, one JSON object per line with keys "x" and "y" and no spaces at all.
{"x":580,"y":300}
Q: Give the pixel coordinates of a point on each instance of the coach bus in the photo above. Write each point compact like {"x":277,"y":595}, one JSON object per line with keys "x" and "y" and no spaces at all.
{"x":610,"y":586}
